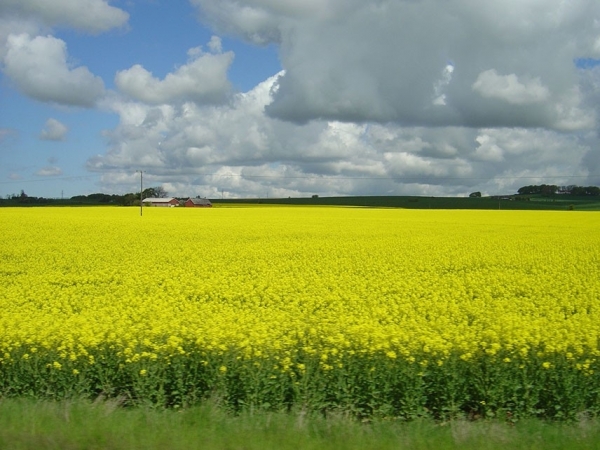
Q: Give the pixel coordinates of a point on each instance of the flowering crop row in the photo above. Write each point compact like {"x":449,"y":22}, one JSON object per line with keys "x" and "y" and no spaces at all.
{"x":389,"y":312}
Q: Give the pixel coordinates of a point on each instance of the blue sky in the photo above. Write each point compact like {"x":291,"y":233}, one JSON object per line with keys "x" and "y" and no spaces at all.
{"x":157,"y":36}
{"x":292,"y":98}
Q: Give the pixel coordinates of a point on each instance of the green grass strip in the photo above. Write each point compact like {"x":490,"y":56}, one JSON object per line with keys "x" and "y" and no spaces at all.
{"x":30,"y":424}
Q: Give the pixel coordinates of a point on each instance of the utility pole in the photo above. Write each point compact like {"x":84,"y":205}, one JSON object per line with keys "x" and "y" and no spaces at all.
{"x":141,"y":190}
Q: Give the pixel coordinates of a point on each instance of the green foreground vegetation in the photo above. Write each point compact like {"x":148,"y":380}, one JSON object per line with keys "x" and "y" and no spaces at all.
{"x":29,"y":424}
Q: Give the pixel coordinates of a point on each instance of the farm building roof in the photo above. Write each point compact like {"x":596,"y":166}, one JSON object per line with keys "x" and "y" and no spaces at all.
{"x":200,"y":201}
{"x":159,"y":200}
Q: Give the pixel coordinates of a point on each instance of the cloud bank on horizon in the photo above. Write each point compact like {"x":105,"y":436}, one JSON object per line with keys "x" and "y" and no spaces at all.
{"x":386,"y":97}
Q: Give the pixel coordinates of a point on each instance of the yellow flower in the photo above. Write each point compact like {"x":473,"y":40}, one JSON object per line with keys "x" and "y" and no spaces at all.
{"x":302,"y":291}
{"x":466,"y":356}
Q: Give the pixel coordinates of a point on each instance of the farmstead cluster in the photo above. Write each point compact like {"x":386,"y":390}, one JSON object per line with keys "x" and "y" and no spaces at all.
{"x":373,"y":311}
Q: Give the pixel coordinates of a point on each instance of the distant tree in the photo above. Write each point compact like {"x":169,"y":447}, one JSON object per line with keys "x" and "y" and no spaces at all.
{"x":592,"y":190}
{"x":544,"y":189}
{"x":100,"y":198}
{"x":161,"y":192}
{"x":475,"y":194}
{"x":587,"y":190}
{"x":528,"y":190}
{"x":24,"y":198}
{"x":551,"y":189}
{"x":154,"y":192}
{"x":149,"y":193}
{"x":128,"y":199}
{"x":548,"y":189}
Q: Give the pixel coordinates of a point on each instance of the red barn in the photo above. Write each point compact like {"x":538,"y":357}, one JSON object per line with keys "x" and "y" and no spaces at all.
{"x":198,"y":203}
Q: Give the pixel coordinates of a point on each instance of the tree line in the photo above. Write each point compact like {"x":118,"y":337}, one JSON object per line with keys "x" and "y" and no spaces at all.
{"x":133,"y":199}
{"x":99,"y":198}
{"x":552,"y":189}
{"x":129,"y":199}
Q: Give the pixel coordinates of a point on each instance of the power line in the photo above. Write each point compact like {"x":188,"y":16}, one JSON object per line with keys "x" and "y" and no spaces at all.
{"x":401,"y":178}
{"x":423,"y":178}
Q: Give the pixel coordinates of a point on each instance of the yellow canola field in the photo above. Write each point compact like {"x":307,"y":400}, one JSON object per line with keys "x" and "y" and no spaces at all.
{"x":277,"y":281}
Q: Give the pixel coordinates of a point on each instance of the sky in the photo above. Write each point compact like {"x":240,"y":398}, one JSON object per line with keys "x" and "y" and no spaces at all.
{"x":280,"y":98}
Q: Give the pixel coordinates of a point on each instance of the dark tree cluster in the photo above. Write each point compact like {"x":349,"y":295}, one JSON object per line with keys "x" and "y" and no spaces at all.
{"x":154,"y":192}
{"x":587,"y":190}
{"x":106,"y":199}
{"x":551,"y":189}
{"x":544,"y":189}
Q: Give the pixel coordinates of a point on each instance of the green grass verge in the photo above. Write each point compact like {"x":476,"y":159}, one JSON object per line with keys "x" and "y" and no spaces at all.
{"x":29,"y":424}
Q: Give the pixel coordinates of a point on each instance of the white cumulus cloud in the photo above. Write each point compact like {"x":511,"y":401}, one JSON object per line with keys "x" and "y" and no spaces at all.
{"x":54,"y":130}
{"x":87,"y":15}
{"x":509,"y":88}
{"x":39,"y":67}
{"x":235,"y":150}
{"x":203,"y":79}
{"x":377,"y":61}
{"x":49,"y":171}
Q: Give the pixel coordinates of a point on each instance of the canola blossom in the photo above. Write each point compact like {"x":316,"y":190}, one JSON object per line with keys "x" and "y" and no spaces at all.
{"x":375,"y":311}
